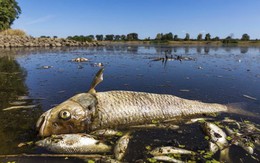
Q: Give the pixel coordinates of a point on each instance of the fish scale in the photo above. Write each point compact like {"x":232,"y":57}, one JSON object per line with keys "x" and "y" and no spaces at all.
{"x":130,"y":108}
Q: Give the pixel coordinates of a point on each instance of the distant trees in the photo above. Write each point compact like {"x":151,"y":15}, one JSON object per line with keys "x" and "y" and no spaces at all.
{"x":187,"y":37}
{"x":199,"y":38}
{"x":9,"y":11}
{"x":175,"y":38}
{"x":245,"y":37}
{"x":132,"y":36}
{"x":100,"y":37}
{"x":160,"y":37}
{"x":123,"y":37}
{"x":82,"y":38}
{"x":117,"y":37}
{"x":207,"y":37}
{"x":109,"y":37}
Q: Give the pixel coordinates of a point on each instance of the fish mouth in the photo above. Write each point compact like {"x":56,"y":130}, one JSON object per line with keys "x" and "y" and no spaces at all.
{"x":41,"y":123}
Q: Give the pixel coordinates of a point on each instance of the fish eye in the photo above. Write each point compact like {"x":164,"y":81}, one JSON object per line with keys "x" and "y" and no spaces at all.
{"x":65,"y":115}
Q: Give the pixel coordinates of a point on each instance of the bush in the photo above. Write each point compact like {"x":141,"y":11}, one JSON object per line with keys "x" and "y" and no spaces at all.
{"x":13,"y":32}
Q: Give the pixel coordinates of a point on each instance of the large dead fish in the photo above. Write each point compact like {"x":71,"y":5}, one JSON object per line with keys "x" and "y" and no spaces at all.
{"x":86,"y":112}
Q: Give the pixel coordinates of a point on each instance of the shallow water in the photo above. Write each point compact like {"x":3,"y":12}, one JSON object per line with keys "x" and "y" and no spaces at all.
{"x":218,"y":74}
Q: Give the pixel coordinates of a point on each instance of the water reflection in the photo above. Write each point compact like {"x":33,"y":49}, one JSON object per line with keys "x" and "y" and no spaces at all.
{"x":15,"y":125}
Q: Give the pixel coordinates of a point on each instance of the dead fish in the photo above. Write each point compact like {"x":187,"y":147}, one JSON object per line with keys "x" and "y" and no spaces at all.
{"x":250,"y":97}
{"x":121,"y":146}
{"x":20,"y":107}
{"x":17,"y":103}
{"x":45,"y":67}
{"x":218,"y":140}
{"x":92,"y":111}
{"x":106,"y":132}
{"x":167,"y":159}
{"x":216,"y":135}
{"x":194,"y":120}
{"x":242,"y":142}
{"x":73,"y":143}
{"x":157,"y":126}
{"x":80,"y":59}
{"x":170,"y":150}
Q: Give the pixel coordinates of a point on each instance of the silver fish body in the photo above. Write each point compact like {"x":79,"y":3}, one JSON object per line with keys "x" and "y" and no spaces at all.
{"x":170,"y":150}
{"x":118,"y":109}
{"x":73,"y":143}
{"x":121,"y":147}
{"x":125,"y":108}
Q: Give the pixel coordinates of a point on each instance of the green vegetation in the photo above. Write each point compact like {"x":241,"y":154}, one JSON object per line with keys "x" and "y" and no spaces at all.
{"x":82,"y":38}
{"x":9,"y":11}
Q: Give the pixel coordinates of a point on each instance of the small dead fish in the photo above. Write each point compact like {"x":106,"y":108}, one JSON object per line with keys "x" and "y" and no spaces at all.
{"x":167,"y":159}
{"x":80,"y":59}
{"x":242,"y":142}
{"x":121,"y":147}
{"x":73,"y":143}
{"x":216,"y":134}
{"x":17,"y":103}
{"x":20,"y":107}
{"x":45,"y":67}
{"x":157,"y":126}
{"x":194,"y":120}
{"x":170,"y":150}
{"x":218,"y":140}
{"x":106,"y":132}
{"x":250,"y":97}
{"x":184,"y":90}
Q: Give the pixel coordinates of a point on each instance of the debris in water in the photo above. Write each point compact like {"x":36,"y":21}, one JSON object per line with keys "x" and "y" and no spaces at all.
{"x":20,"y":107}
{"x":17,"y":103}
{"x":250,"y":97}
{"x":184,"y":90}
{"x":45,"y":67}
{"x":80,"y":59}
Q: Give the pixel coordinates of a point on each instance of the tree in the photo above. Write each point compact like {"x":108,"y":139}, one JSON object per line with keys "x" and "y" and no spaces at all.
{"x":109,"y":37}
{"x":9,"y":11}
{"x":199,"y":38}
{"x":132,"y":36}
{"x":207,"y":37}
{"x":117,"y":37}
{"x":99,"y":37}
{"x":216,"y":39}
{"x":245,"y":37}
{"x":167,"y":36}
{"x":159,"y":36}
{"x":175,"y":38}
{"x":123,"y":37}
{"x":187,"y":37}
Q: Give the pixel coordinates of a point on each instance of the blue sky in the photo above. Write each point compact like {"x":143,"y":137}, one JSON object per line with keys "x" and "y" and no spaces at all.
{"x":145,"y":17}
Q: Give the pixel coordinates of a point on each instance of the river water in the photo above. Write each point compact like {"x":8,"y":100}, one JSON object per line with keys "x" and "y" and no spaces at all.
{"x":215,"y":74}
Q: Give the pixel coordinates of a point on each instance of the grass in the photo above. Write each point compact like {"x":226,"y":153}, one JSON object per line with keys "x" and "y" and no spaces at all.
{"x":13,"y":32}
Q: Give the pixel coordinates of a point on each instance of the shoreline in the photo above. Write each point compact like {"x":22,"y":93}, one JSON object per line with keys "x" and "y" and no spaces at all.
{"x":12,"y":41}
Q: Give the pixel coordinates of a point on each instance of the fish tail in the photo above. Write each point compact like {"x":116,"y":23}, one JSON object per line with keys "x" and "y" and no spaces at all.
{"x":224,"y":156}
{"x":240,"y":109}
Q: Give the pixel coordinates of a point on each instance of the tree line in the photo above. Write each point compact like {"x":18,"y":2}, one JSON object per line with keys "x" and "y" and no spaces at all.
{"x":159,"y":37}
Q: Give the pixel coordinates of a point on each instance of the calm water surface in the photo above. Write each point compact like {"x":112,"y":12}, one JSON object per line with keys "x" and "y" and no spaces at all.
{"x":218,"y":74}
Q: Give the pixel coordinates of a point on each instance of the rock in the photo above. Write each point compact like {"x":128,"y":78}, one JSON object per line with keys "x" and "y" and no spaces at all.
{"x":28,"y":41}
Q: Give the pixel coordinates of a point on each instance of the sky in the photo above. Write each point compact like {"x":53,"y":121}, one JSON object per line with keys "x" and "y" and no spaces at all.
{"x":64,"y":18}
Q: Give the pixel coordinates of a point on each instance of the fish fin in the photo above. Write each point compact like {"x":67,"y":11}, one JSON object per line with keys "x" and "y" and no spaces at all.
{"x":240,"y":109}
{"x":97,"y":79}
